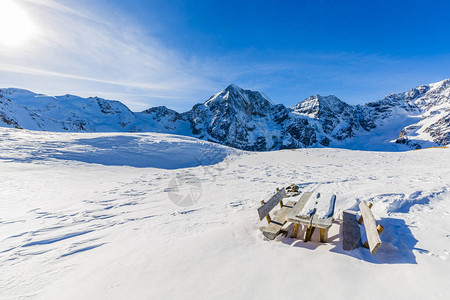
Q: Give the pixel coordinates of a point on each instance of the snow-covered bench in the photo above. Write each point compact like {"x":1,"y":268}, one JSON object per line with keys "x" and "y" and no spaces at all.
{"x":279,"y":219}
{"x":352,"y":234}
{"x":313,"y":209}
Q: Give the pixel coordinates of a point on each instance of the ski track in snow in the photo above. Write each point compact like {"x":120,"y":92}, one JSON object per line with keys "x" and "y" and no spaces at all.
{"x":64,"y":219}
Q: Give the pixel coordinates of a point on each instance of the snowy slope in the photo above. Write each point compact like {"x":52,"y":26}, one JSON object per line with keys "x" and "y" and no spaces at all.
{"x":433,"y":101}
{"x":24,"y":109}
{"x":76,"y":227}
{"x":246,"y":120}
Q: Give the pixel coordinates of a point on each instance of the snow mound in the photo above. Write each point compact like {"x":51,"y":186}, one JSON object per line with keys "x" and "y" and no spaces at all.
{"x":140,"y":150}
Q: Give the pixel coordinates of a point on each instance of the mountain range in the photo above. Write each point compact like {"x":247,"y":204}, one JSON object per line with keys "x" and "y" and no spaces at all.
{"x":247,"y":120}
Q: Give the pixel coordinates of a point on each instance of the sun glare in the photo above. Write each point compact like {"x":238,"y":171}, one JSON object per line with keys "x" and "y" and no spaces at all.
{"x":15,"y":25}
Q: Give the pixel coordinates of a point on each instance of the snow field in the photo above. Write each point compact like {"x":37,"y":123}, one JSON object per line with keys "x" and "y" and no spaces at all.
{"x":79,"y":220}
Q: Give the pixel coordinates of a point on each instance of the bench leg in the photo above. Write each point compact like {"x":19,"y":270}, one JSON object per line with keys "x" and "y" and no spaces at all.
{"x":295,"y":231}
{"x":309,"y":233}
{"x":323,"y":235}
{"x":380,"y":230}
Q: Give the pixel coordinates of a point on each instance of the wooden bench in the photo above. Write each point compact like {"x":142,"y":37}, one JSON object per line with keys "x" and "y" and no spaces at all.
{"x":279,"y":219}
{"x":351,"y":233}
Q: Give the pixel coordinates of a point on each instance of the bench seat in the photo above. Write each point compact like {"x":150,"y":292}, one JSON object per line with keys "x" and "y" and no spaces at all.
{"x":274,"y":228}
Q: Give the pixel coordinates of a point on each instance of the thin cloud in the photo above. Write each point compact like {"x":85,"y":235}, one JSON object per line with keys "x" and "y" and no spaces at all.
{"x":105,"y":53}
{"x":73,"y":45}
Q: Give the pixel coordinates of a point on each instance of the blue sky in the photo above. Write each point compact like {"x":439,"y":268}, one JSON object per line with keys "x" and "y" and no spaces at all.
{"x":178,"y":53}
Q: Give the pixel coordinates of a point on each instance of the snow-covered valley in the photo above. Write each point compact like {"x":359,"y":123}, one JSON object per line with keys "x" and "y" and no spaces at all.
{"x":93,"y":215}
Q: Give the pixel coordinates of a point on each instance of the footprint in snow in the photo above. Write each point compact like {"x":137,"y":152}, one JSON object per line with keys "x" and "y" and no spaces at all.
{"x":428,"y":253}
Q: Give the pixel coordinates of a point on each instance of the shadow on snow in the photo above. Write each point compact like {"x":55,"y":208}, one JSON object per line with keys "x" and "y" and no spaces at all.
{"x":397,"y":248}
{"x":133,"y":151}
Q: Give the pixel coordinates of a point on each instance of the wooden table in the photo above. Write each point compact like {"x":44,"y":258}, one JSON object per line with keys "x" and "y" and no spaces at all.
{"x":312,"y":221}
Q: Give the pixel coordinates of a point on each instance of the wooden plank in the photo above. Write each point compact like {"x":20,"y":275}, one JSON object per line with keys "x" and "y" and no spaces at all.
{"x":274,"y":228}
{"x":351,"y":233}
{"x":295,"y":231}
{"x":332,"y":203}
{"x":314,"y":220}
{"x":292,"y":216}
{"x":273,"y":201}
{"x":320,"y":204}
{"x":327,"y":222}
{"x":321,"y":223}
{"x":268,"y":215}
{"x":309,"y":233}
{"x":371,"y":227}
{"x":360,"y":221}
{"x":380,"y":230}
{"x":323,"y":235}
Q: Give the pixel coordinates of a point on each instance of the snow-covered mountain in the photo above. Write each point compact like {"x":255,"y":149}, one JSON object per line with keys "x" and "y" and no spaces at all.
{"x":24,"y":109}
{"x":432,"y":103}
{"x":247,"y":120}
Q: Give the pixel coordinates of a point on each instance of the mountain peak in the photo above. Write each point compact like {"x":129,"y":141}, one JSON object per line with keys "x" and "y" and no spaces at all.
{"x":16,"y":91}
{"x":234,"y":93}
{"x":239,"y":99}
{"x":439,"y":86}
{"x":232,"y":86}
{"x":315,"y":104}
{"x":441,"y":83}
{"x":324,"y":100}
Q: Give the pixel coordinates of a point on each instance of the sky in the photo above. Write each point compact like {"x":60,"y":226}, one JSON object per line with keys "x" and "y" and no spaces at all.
{"x":179,"y":53}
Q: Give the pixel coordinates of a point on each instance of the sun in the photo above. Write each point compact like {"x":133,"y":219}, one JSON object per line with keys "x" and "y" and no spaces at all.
{"x":15,"y":25}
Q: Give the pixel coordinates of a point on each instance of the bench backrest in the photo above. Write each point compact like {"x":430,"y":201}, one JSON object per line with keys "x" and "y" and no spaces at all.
{"x":269,"y":205}
{"x":372,"y":234}
{"x":332,"y":206}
